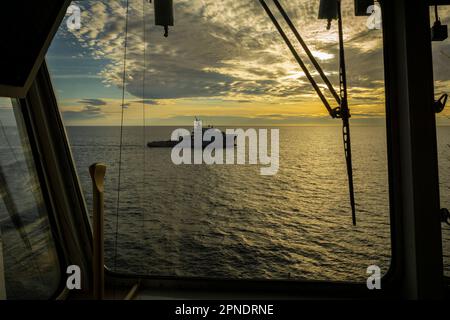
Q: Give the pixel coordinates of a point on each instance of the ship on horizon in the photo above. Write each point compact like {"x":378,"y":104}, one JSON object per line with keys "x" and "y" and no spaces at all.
{"x":229,"y":141}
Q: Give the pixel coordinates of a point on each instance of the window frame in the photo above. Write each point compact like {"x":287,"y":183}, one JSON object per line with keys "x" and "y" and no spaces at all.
{"x":306,"y":286}
{"x":43,"y":191}
{"x":394,"y":280}
{"x":396,"y":17}
{"x":43,"y":121}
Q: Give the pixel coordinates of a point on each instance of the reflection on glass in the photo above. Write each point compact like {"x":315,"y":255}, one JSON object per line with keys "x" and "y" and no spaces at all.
{"x":28,"y":257}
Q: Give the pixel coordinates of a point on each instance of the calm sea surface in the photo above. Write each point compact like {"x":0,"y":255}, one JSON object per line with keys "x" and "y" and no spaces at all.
{"x":228,"y":221}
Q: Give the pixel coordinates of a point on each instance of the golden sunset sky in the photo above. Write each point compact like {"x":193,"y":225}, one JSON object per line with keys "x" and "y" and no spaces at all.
{"x":223,"y":61}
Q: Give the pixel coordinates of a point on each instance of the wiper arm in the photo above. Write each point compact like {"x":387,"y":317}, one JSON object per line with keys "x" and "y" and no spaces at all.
{"x":345,"y":113}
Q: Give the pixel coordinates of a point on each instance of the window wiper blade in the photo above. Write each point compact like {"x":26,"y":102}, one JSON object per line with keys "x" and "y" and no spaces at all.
{"x":342,"y":111}
{"x":345,"y":113}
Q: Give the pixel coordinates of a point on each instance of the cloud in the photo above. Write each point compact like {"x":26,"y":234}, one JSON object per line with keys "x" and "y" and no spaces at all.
{"x":92,"y":102}
{"x":237,"y":101}
{"x":271,"y":120}
{"x":147,"y":102}
{"x":92,"y":109}
{"x":223,"y":49}
{"x":84,"y":114}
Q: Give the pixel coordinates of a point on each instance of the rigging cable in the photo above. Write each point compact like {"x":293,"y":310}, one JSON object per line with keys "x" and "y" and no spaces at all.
{"x":143,"y":120}
{"x":121,"y":134}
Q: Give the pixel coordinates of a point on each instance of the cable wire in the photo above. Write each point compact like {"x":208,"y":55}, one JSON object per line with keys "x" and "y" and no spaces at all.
{"x":144,"y":160}
{"x":121,"y":134}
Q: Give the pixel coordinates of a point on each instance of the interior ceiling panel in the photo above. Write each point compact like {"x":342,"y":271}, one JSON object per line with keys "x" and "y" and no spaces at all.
{"x":26,"y":30}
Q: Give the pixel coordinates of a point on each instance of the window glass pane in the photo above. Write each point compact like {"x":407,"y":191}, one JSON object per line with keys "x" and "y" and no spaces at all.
{"x":27,"y":252}
{"x":225,"y":63}
{"x":441,"y":57}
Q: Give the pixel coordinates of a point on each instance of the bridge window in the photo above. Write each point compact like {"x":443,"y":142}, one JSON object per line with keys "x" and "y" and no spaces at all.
{"x":225,"y":63}
{"x":29,"y":267}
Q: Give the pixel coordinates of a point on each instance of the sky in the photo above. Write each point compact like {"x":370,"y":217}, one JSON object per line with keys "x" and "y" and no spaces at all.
{"x":223,"y":61}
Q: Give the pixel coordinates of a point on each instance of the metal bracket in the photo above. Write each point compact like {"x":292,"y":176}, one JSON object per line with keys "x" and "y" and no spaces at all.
{"x":440,"y":103}
{"x":340,"y":113}
{"x":445,"y":216}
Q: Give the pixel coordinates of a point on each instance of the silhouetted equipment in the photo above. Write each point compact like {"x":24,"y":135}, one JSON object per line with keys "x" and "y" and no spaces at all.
{"x":440,"y":103}
{"x":361,"y":7}
{"x":439,"y":32}
{"x":97,"y":173}
{"x":445,"y":216}
{"x":164,"y":14}
{"x":341,"y":111}
{"x":328,"y":11}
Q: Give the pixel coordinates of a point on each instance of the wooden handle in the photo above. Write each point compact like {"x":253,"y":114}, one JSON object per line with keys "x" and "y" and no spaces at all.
{"x":97,"y":172}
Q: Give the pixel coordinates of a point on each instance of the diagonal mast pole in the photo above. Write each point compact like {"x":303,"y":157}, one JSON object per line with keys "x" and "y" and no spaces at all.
{"x":307,"y":51}
{"x":297,"y":57}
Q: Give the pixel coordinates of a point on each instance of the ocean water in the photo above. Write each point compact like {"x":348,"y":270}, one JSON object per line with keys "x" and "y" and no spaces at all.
{"x":228,"y":221}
